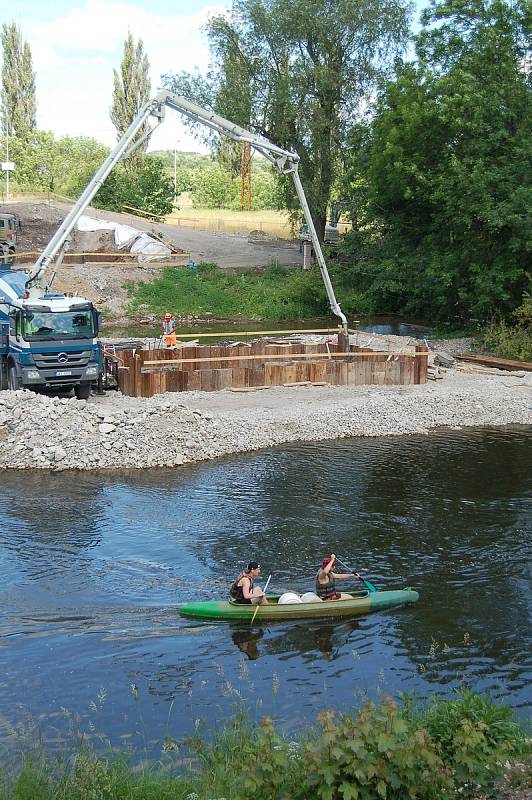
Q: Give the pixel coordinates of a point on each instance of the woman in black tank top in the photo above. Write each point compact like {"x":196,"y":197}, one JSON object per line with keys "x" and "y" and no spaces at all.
{"x":242,"y":590}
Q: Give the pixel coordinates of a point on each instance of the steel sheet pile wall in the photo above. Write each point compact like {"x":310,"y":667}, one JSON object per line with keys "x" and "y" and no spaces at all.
{"x":144,"y":373}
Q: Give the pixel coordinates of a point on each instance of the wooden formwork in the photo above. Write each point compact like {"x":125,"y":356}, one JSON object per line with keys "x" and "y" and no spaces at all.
{"x":144,"y":373}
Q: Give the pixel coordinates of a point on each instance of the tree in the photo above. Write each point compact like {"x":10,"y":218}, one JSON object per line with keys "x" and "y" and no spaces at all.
{"x":61,"y":165}
{"x":19,"y":104}
{"x":148,"y":188}
{"x":131,"y":91}
{"x":443,"y":170}
{"x":297,"y":72}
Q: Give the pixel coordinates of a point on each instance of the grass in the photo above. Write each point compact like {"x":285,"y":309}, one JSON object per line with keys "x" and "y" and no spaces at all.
{"x":275,"y":223}
{"x":468,"y":745}
{"x":276,"y":294}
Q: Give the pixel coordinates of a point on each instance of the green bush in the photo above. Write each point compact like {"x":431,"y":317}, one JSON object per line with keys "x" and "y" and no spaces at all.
{"x":510,"y":340}
{"x":476,"y":736}
{"x":248,"y":761}
{"x":375,"y":755}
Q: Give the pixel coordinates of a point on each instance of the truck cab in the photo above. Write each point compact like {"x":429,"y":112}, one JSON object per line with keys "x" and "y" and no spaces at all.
{"x":8,"y":233}
{"x":49,"y":343}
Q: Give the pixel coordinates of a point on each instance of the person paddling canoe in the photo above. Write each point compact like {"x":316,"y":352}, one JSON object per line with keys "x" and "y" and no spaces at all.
{"x":325,"y":580}
{"x":242,"y":591}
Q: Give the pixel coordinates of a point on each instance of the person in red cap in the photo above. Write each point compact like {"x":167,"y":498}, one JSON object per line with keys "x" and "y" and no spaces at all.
{"x":325,"y":580}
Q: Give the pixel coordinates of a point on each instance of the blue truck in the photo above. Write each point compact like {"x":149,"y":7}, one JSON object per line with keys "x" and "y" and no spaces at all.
{"x":47,"y":342}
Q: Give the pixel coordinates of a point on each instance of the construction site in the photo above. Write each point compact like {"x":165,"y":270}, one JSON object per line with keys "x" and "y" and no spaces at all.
{"x":66,"y":264}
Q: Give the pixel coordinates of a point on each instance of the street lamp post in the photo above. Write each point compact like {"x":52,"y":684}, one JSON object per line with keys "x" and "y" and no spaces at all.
{"x":175,"y":176}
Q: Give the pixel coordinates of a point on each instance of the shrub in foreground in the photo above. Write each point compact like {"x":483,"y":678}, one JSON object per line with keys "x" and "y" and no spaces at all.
{"x":451,"y":748}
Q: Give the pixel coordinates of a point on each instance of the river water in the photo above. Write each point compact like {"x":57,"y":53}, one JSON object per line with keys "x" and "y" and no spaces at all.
{"x":94,"y":567}
{"x":382,"y":324}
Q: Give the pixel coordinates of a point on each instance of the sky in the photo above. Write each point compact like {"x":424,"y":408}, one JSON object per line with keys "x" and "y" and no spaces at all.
{"x":76,"y":44}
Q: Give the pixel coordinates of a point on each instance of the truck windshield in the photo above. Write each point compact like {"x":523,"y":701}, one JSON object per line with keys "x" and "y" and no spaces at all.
{"x":58,"y":325}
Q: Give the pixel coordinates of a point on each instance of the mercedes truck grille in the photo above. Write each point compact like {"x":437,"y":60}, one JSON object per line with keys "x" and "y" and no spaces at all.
{"x":74,"y":359}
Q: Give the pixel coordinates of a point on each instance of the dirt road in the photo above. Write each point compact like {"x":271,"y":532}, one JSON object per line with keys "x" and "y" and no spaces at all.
{"x":106,"y":285}
{"x":40,"y":220}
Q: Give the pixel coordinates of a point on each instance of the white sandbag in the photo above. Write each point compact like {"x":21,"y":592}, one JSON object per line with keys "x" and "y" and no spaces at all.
{"x":124,"y":234}
{"x":310,"y":597}
{"x":149,"y":248}
{"x":289,"y":598}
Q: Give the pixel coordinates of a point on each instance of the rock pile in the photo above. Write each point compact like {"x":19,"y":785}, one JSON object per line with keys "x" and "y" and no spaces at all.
{"x":43,"y":432}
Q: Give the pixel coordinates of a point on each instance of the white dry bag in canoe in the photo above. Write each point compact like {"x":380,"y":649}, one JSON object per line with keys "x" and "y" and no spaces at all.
{"x":310,"y":597}
{"x":287,"y":598}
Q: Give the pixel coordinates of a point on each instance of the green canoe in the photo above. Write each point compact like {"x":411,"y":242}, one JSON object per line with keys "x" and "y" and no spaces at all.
{"x":358,"y":603}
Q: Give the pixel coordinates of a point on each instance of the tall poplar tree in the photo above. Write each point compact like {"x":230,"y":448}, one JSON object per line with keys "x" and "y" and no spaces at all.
{"x":131,"y":91}
{"x":19,"y":104}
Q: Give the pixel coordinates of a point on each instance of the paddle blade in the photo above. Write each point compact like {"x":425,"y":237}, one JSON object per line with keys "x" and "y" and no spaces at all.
{"x":369,"y":586}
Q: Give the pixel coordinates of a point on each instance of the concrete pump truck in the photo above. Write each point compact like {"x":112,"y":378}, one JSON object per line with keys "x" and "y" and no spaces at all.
{"x":48,"y":340}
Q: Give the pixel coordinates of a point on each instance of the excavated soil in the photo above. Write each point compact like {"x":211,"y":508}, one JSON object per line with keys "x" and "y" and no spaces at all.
{"x":106,"y":285}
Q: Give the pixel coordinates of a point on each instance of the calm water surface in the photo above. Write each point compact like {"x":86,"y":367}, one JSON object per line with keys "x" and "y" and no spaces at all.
{"x":94,"y":567}
{"x":387,"y":325}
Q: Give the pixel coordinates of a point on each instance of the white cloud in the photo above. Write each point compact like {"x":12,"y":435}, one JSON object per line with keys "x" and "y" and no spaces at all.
{"x":74,"y":57}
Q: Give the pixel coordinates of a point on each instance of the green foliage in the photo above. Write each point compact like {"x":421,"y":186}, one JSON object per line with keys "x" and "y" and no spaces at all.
{"x":512,"y":339}
{"x":375,"y":755}
{"x":61,"y":165}
{"x":438,"y":752}
{"x":147,"y":188}
{"x":296,"y":72}
{"x":131,"y":90}
{"x":476,"y":737}
{"x":19,"y":104}
{"x":246,"y":761}
{"x":278,"y":293}
{"x":213,"y":187}
{"x":441,"y":175}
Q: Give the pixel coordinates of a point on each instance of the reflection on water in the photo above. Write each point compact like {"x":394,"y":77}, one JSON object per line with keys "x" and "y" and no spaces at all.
{"x":387,"y":325}
{"x":95,"y":567}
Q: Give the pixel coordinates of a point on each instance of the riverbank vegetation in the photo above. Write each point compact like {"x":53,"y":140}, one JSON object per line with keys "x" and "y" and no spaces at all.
{"x":446,"y":749}
{"x":275,"y":294}
{"x":510,"y":338}
{"x":439,"y":176}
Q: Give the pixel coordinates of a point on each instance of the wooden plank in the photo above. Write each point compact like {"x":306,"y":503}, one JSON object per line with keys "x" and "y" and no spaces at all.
{"x":281,"y":356}
{"x":256,"y":376}
{"x":497,"y":363}
{"x":237,"y":334}
{"x":194,"y":381}
{"x":317,"y":372}
{"x":240,"y":377}
{"x":288,"y":374}
{"x":392,"y":372}
{"x":248,"y":388}
{"x":225,"y":378}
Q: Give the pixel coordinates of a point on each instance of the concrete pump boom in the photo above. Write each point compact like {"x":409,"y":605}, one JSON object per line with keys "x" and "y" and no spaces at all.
{"x":285,"y":162}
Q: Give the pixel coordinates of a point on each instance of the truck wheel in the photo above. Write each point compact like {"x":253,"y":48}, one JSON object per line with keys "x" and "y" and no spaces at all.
{"x":82,"y":391}
{"x":13,"y":380}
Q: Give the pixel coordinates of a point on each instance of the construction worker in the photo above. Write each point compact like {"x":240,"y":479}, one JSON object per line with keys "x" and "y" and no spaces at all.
{"x":169,"y":327}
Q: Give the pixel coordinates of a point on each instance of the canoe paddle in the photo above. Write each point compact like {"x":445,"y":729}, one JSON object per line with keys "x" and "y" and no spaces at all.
{"x":369,"y":586}
{"x":258,"y":604}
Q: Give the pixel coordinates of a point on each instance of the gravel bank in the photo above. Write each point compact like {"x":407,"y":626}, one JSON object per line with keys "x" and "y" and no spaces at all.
{"x":172,"y":429}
